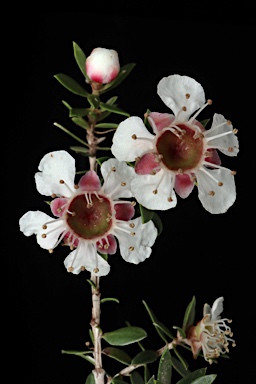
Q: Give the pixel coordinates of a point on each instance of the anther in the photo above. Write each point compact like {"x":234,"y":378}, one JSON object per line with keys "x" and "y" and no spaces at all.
{"x":235,"y":131}
{"x":133,"y":203}
{"x":155,"y":192}
{"x":50,"y":250}
{"x":76,"y":186}
{"x":113,"y":169}
{"x":229,"y":122}
{"x":134,"y":137}
{"x":59,"y":210}
{"x":184,"y":109}
{"x":83,"y":268}
{"x":53,"y":195}
{"x":123,"y":184}
{"x":70,"y":269}
{"x":43,"y":235}
{"x":170,"y":199}
{"x":230,"y":149}
{"x":132,"y":233}
{"x":209,"y":102}
{"x":132,"y":225}
{"x":211,"y":193}
{"x":187,"y":95}
{"x":233,"y":173}
{"x":220,"y":183}
{"x":44,"y":226}
{"x":61,"y":181}
{"x":106,"y":246}
{"x":131,"y":248}
{"x":96,"y":270}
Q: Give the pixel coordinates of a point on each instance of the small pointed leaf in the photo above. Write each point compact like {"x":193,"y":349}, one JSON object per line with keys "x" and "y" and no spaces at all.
{"x":125,"y":335}
{"x":179,"y":367}
{"x":106,"y":125}
{"x":146,"y":214}
{"x":154,"y":320}
{"x":152,"y":380}
{"x":183,"y":334}
{"x":145,"y":357}
{"x":189,"y":314}
{"x":124,"y":72}
{"x":117,"y":354}
{"x":136,"y":378}
{"x":109,"y":299}
{"x":71,"y":85}
{"x":90,"y":379}
{"x":164,"y":374}
{"x":80,"y":122}
{"x":79,"y":112}
{"x":192,"y":376}
{"x":208,"y":379}
{"x":80,"y":58}
{"x":163,"y":328}
{"x":101,"y":160}
{"x":113,"y":108}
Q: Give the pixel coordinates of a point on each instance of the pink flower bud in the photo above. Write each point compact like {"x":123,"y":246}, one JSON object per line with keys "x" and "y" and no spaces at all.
{"x":102,"y":66}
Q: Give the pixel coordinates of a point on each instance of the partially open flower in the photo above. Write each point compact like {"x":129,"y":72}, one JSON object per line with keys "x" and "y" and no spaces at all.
{"x":89,"y":216}
{"x":212,"y":335}
{"x":102,"y":66}
{"x":181,"y":153}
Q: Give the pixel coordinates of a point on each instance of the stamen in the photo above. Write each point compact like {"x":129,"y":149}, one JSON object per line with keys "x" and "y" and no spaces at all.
{"x":217,"y":136}
{"x":131,"y":248}
{"x":63,"y":182}
{"x":192,"y":118}
{"x":88,"y":198}
{"x":187,"y":95}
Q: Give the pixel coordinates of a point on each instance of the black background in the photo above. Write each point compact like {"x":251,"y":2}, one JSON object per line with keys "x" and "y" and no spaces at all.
{"x":198,"y":254}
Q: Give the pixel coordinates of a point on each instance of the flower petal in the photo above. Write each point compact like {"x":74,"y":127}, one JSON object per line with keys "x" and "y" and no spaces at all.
{"x":183,"y":185}
{"x":86,"y":257}
{"x":56,"y":166}
{"x":178,"y":92}
{"x":135,"y":243}
{"x":124,"y":211}
{"x":32,"y":223}
{"x":217,"y":308}
{"x":125,"y":147}
{"x":117,"y":177}
{"x":161,"y":120}
{"x":215,"y":198}
{"x":227,"y":144}
{"x":90,"y":182}
{"x":143,"y":188}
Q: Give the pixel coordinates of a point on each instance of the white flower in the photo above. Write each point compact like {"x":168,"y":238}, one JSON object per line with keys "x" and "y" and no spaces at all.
{"x":180,"y":153}
{"x":102,"y":66}
{"x":211,"y":334}
{"x":89,"y":216}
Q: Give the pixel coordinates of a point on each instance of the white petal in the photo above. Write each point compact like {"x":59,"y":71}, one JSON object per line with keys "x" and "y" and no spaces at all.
{"x":124,"y":146}
{"x":217,"y":308}
{"x":144,"y":185}
{"x":32,"y":223}
{"x":136,"y":248}
{"x":224,"y":196}
{"x":86,"y":256}
{"x":224,"y":142}
{"x":117,"y":183}
{"x":56,"y":166}
{"x":173,"y":90}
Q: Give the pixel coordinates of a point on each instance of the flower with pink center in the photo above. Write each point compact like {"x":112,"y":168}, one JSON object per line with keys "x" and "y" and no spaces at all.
{"x":212,"y":334}
{"x":102,"y":66}
{"x":89,"y":216}
{"x":180,"y":153}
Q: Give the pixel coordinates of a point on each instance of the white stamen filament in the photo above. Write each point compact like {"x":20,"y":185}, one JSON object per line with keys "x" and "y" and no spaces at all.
{"x":75,"y":254}
{"x":52,"y":221}
{"x":88,"y":198}
{"x":192,"y":118}
{"x":60,"y":239}
{"x":212,"y":165}
{"x":173,"y":130}
{"x":66,"y":185}
{"x":217,"y":136}
{"x":210,"y":175}
{"x":123,"y":229}
{"x":214,"y":128}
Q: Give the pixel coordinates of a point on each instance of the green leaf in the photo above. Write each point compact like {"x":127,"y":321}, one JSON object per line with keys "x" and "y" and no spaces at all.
{"x":164,"y":329}
{"x":125,"y":335}
{"x":124,"y":72}
{"x":117,"y":354}
{"x":164,"y":374}
{"x":154,"y":320}
{"x":136,"y":378}
{"x":192,"y":376}
{"x":71,"y":84}
{"x":183,"y":334}
{"x":113,"y":108}
{"x":179,"y":367}
{"x":106,"y":125}
{"x":80,"y":150}
{"x":152,"y":380}
{"x":74,"y":112}
{"x":145,"y":357}
{"x":204,"y":122}
{"x":146,"y":214}
{"x":189,"y":314}
{"x":181,"y":359}
{"x":71,"y":134}
{"x":205,"y":379}
{"x":94,"y":101}
{"x":80,"y":122}
{"x":109,"y":299}
{"x":90,"y":379}
{"x":118,"y":381}
{"x":80,"y":58}
{"x":101,"y":160}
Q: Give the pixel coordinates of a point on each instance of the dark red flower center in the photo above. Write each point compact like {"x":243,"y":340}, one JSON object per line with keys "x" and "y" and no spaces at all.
{"x":90,"y":220}
{"x":181,"y":152}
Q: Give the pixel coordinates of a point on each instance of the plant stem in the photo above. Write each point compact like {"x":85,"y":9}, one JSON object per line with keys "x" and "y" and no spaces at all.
{"x":98,"y":372}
